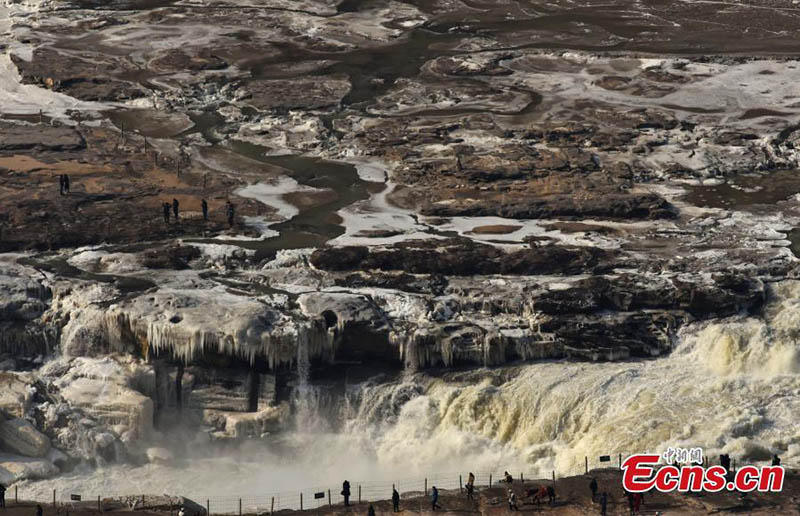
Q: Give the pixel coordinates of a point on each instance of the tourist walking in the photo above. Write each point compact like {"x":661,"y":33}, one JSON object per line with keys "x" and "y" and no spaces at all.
{"x":512,"y":500}
{"x":603,"y":503}
{"x":39,"y":510}
{"x":204,"y":207}
{"x":175,"y":206}
{"x":166,"y":207}
{"x":470,"y":487}
{"x":593,"y":487}
{"x":435,"y":499}
{"x":395,"y":500}
{"x":66,"y":184}
{"x":61,"y":184}
{"x":371,"y":510}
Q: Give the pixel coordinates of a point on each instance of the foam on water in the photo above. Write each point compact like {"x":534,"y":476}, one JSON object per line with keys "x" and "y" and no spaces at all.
{"x":729,"y":386}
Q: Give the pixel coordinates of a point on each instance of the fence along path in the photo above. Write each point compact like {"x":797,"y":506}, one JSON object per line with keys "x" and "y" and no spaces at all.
{"x":309,"y":498}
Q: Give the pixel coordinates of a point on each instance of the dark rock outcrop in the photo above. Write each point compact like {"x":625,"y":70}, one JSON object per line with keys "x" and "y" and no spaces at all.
{"x":461,"y":257}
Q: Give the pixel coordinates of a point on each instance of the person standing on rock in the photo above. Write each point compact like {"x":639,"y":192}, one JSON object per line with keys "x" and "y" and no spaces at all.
{"x":395,"y":500}
{"x":346,"y":492}
{"x":166,"y":207}
{"x":435,"y":499}
{"x":603,"y":503}
{"x":230,"y":209}
{"x":204,"y":207}
{"x":175,"y":206}
{"x":593,"y":488}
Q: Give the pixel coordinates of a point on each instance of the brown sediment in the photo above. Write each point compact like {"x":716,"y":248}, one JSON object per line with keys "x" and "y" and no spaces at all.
{"x":579,"y":227}
{"x":761,"y":112}
{"x":495,"y":229}
{"x":304,"y":199}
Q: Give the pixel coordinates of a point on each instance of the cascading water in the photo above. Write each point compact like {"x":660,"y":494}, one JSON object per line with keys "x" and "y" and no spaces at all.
{"x":729,"y":386}
{"x":308,"y":400}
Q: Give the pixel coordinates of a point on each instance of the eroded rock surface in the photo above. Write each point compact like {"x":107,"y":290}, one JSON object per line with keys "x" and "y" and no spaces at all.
{"x":504,"y":190}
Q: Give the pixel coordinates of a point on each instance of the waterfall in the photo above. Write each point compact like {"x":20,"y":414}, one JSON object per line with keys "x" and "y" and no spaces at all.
{"x":308,"y":400}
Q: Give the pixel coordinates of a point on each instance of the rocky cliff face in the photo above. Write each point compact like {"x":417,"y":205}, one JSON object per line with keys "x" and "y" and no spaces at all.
{"x":493,"y":200}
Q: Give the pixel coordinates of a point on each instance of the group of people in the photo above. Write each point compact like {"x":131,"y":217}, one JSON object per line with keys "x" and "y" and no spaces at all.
{"x":169,"y":210}
{"x":538,"y":496}
{"x":167,"y":207}
{"x":635,"y":500}
{"x":174,"y":209}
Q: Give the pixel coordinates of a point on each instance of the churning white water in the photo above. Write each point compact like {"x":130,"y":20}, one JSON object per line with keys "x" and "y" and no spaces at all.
{"x":732,"y":386}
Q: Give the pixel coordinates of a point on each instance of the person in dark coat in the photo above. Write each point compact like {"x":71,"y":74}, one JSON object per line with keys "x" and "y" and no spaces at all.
{"x":166,"y":207}
{"x":346,"y":492}
{"x":175,"y":206}
{"x":395,"y":500}
{"x":776,"y":461}
{"x":593,"y":487}
{"x":230,"y":210}
{"x":638,"y":499}
{"x":435,"y":499}
{"x":61,"y":184}
{"x":603,"y":503}
{"x":551,"y":495}
{"x":2,"y":496}
{"x":204,"y":206}
{"x":39,"y":510}
{"x":371,"y":510}
{"x":66,"y":184}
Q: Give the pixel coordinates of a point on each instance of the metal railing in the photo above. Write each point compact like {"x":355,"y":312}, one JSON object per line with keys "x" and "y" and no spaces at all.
{"x":311,"y":498}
